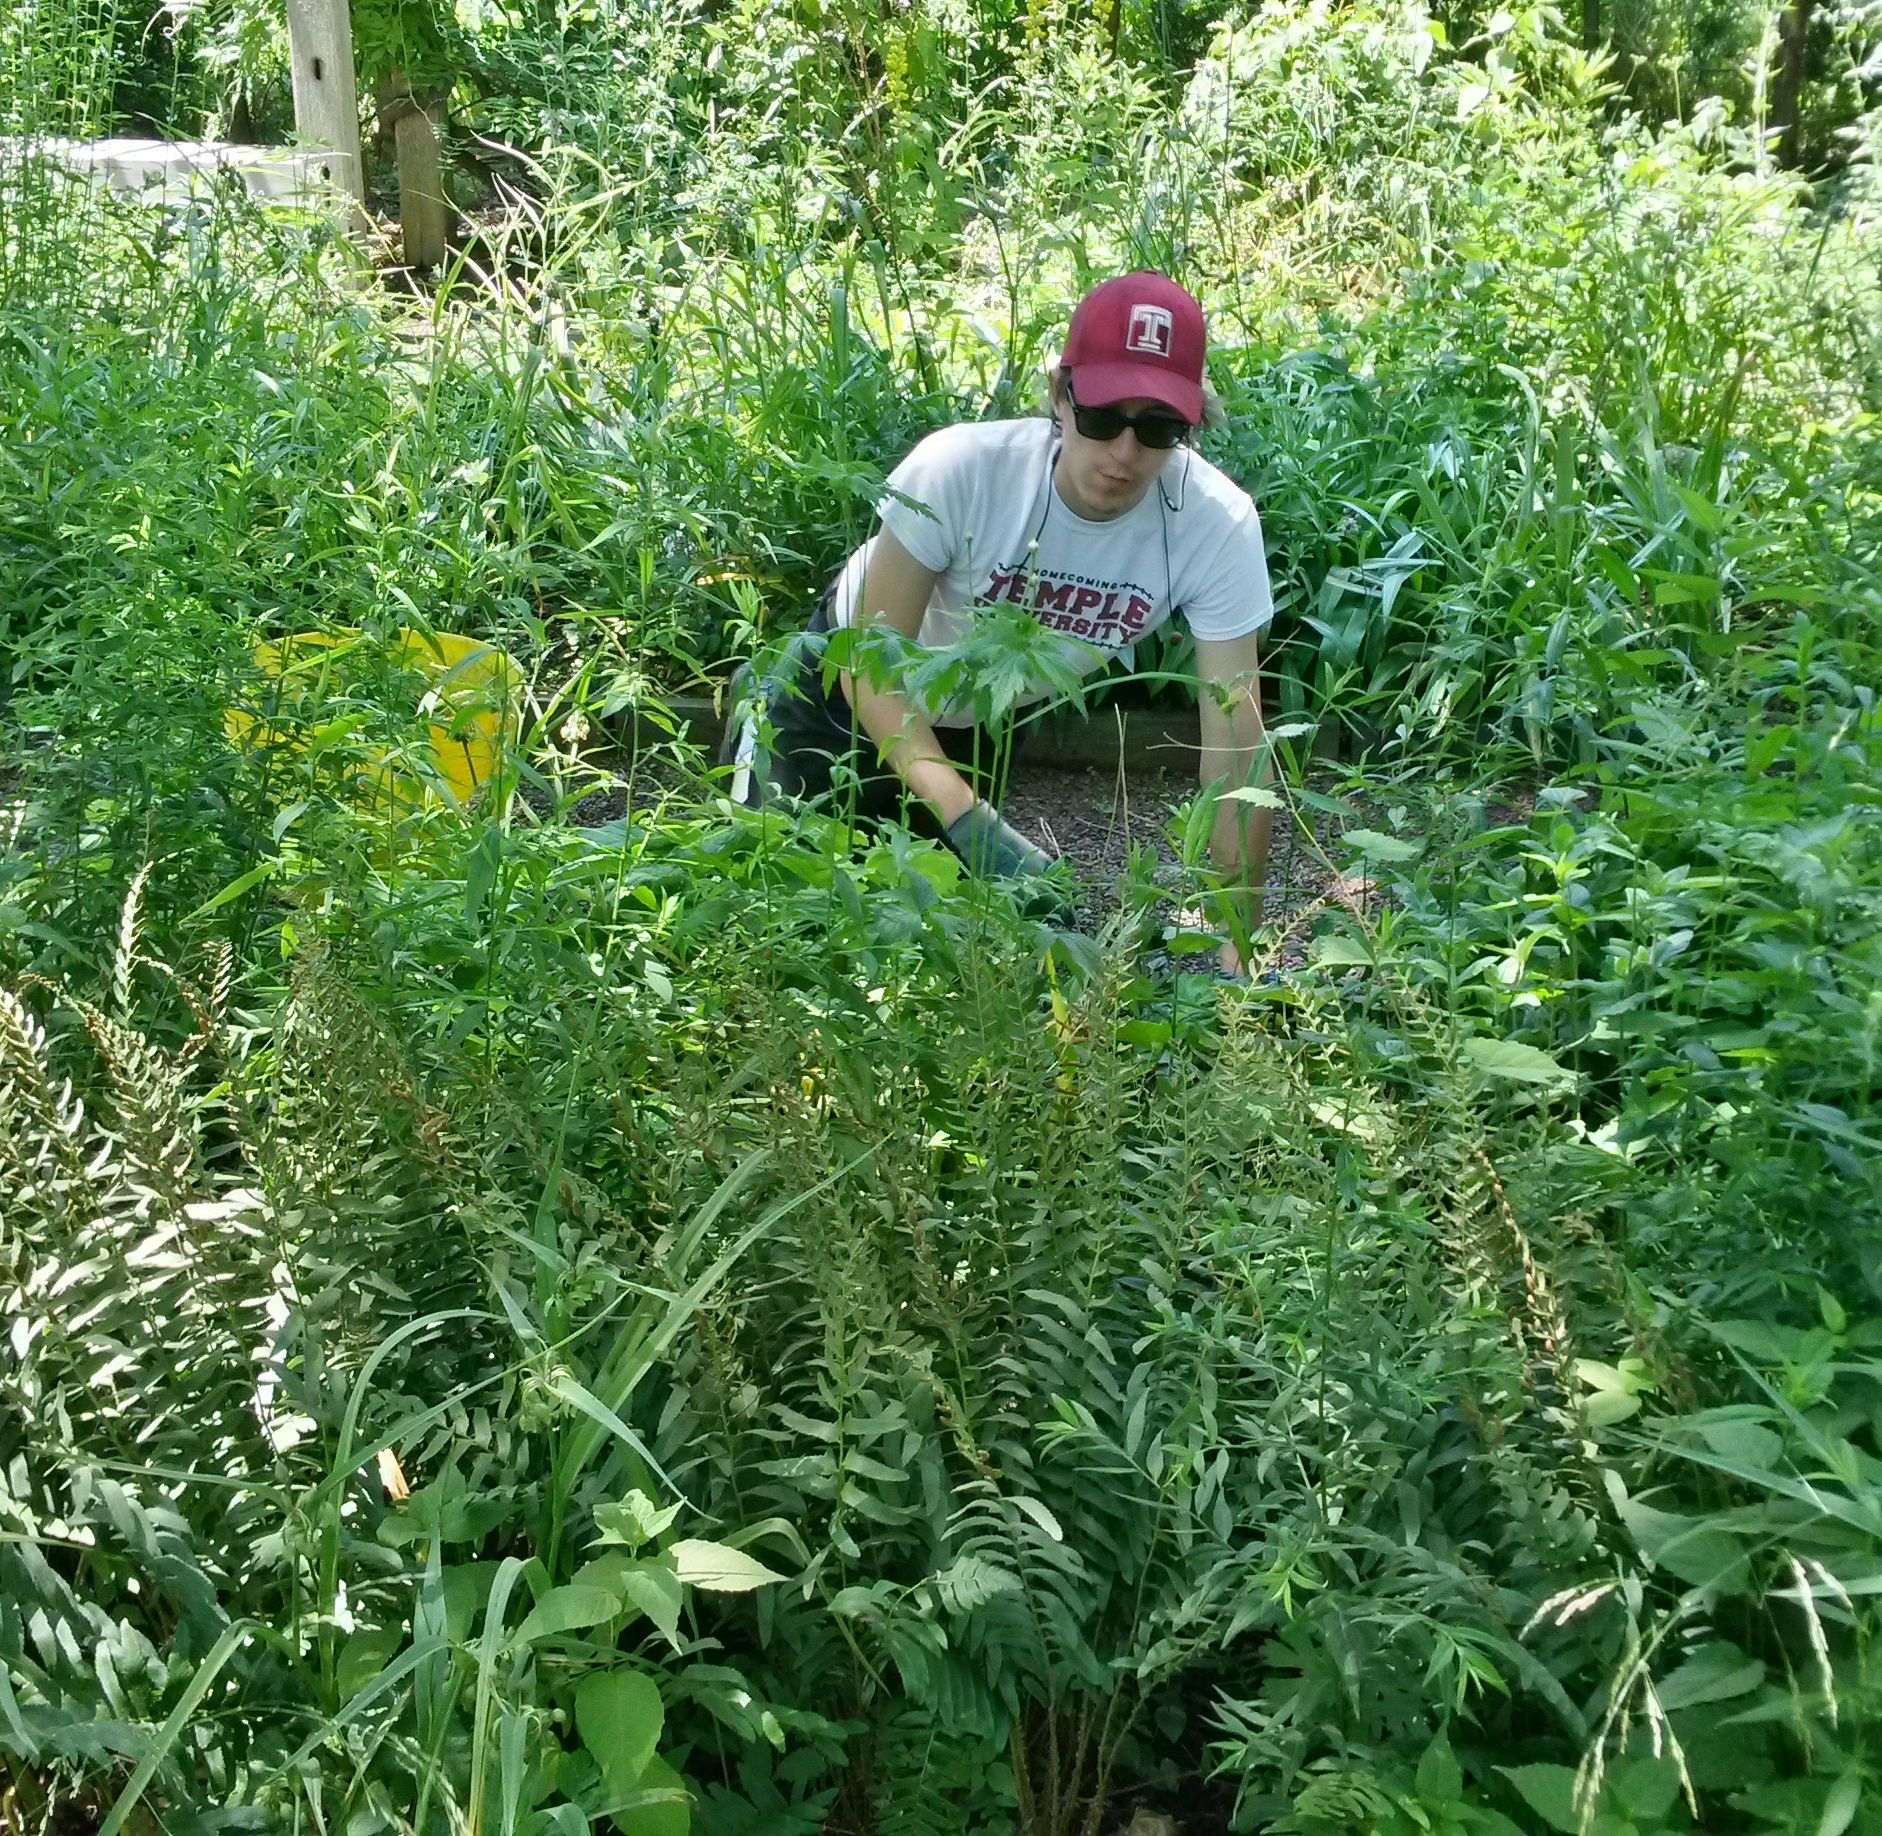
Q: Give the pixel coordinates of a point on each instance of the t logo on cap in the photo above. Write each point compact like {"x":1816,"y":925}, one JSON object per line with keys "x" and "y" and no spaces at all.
{"x":1149,"y":333}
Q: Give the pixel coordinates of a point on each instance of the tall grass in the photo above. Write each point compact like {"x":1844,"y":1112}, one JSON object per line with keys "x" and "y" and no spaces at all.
{"x":649,"y":456}
{"x":57,"y":66}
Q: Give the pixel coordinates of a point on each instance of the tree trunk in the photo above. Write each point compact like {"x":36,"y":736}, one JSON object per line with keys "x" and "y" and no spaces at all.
{"x":1793,"y":40}
{"x":1590,"y":25}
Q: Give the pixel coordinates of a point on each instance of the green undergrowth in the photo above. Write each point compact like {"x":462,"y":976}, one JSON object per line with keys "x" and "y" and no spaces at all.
{"x":865,"y":1360}
{"x":714,"y":1322}
{"x":1005,"y":1305}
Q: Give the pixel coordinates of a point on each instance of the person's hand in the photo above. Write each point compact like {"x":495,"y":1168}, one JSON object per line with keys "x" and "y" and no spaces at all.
{"x":989,"y":844}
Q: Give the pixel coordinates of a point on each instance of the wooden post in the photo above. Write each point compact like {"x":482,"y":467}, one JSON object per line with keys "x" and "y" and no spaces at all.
{"x":426,"y":218}
{"x":326,"y":96}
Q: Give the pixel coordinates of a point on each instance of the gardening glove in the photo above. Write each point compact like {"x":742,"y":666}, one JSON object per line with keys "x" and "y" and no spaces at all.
{"x":989,"y":844}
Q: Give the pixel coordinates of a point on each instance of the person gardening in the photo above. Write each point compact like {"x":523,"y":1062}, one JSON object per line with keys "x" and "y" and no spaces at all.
{"x":1099,"y":521}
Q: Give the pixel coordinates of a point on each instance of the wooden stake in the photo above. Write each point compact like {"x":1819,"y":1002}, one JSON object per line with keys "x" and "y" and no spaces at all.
{"x":426,"y":218}
{"x":326,"y":95}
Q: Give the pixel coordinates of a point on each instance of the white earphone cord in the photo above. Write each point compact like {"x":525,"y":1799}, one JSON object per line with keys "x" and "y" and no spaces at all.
{"x":1166,"y":509}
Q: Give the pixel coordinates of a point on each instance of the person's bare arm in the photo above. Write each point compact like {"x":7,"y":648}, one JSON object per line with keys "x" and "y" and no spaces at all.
{"x":1232,"y":734}
{"x":895,"y":593}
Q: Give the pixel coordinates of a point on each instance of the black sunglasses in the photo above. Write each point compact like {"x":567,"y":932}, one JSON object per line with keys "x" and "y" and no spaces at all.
{"x":1158,"y":432}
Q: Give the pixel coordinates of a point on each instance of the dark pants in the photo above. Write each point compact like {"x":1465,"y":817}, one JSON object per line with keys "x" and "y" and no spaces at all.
{"x":819,"y":752}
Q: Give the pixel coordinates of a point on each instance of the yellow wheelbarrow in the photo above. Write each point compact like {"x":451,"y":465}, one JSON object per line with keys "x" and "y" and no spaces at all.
{"x":322,"y":692}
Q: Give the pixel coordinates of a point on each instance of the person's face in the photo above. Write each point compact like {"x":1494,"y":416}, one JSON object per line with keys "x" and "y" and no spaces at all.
{"x":1100,"y":479}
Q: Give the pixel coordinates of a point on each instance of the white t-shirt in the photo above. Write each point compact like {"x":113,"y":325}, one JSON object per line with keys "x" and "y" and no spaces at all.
{"x":991,"y":523}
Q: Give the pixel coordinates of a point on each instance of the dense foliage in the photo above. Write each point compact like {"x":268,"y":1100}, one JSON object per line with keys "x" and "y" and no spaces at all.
{"x":707,"y":1320}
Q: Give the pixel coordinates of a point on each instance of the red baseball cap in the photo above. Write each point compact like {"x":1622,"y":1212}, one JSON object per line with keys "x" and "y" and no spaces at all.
{"x":1140,"y":334}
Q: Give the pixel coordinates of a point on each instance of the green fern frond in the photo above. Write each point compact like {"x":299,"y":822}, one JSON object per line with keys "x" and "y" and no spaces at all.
{"x":42,"y":1124}
{"x":153,"y":1118}
{"x":125,"y":958}
{"x":936,"y":1770}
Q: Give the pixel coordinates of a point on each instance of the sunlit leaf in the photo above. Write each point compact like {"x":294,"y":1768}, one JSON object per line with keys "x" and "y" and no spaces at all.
{"x":1377,"y":847}
{"x":719,"y":1568}
{"x":1515,"y":1062}
{"x":1042,"y":1517}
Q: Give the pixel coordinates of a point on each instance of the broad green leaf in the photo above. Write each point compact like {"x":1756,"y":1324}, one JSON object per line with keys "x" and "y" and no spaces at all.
{"x":1616,"y":1389}
{"x":1181,"y":941}
{"x":1440,"y":1779}
{"x":1377,"y":847}
{"x":1841,"y":1806}
{"x":1769,"y":1343}
{"x":466,"y":1587}
{"x":1703,"y":511}
{"x":1682,"y":589}
{"x":1549,"y":1791}
{"x":1693,"y":1548}
{"x":1516,"y":1062}
{"x":1599,"y":1376}
{"x":1604,"y":1408}
{"x":660,"y":1806}
{"x":1791,"y":1805}
{"x":1741,"y":1439}
{"x":363,"y":1656}
{"x":1643,"y":1787}
{"x":940,"y":868}
{"x":719,"y":1568}
{"x":569,"y":1608}
{"x":645,"y":1584}
{"x":655,"y":1589}
{"x":1253,"y":793}
{"x":619,"y":1715}
{"x":1337,"y":950}
{"x":1715,"y":1673}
